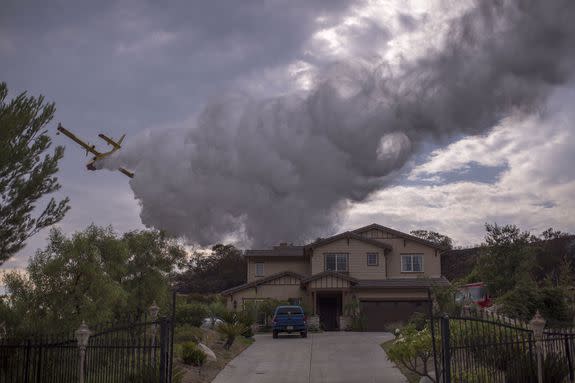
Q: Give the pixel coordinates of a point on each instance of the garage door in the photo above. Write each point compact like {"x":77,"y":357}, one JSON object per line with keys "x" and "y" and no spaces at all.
{"x":378,"y":314}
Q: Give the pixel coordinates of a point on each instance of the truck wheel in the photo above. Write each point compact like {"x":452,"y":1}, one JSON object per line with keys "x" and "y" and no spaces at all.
{"x":303,"y":334}
{"x":275,"y":335}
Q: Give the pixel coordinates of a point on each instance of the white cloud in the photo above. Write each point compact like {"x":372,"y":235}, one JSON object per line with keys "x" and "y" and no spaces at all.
{"x":535,"y":191}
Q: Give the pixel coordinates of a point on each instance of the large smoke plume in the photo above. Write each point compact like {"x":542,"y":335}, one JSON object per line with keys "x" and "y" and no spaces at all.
{"x":280,"y":169}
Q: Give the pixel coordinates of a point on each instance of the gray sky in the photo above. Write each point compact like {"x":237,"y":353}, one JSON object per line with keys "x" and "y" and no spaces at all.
{"x":148,"y":70}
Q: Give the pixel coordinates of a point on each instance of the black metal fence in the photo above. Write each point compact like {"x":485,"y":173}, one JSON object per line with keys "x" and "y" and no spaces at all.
{"x":49,"y":359}
{"x":491,"y":348}
{"x":121,"y":353}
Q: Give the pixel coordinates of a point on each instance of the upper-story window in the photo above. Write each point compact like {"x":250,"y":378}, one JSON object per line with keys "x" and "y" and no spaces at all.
{"x":373,"y":259}
{"x":259,"y":269}
{"x":336,"y":262}
{"x":412,"y":263}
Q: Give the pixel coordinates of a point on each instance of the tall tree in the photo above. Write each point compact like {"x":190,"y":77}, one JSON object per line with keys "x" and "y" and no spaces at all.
{"x":96,"y":275}
{"x":435,"y":237}
{"x":27,"y":170}
{"x":223,"y":268}
{"x":506,"y":258}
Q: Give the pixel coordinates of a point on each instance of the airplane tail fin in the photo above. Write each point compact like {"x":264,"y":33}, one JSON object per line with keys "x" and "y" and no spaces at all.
{"x":121,"y":139}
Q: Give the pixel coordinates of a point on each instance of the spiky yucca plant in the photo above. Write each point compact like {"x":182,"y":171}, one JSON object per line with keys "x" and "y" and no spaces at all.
{"x":231,"y":330}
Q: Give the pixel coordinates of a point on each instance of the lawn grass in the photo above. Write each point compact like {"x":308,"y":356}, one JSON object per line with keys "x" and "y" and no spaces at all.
{"x":409,"y":375}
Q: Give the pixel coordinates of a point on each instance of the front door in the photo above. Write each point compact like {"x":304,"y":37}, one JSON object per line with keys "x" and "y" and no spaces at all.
{"x":329,"y":307}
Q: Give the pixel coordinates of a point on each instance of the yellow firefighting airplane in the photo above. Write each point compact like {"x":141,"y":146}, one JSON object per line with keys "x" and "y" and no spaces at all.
{"x":116,"y":145}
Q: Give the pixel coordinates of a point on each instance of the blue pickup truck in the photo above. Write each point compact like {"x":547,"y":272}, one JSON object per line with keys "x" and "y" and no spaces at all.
{"x":289,"y":319}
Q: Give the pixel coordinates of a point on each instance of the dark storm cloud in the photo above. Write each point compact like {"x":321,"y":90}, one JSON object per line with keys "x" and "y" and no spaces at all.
{"x":120,"y":66}
{"x":126,"y":61}
{"x":281,"y":168}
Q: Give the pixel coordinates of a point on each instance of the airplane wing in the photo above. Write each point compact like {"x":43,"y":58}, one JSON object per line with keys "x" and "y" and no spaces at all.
{"x":126,"y":172}
{"x":115,"y":144}
{"x":70,"y":135}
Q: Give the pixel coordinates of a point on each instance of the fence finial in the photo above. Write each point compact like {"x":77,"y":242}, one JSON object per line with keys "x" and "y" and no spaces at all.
{"x":153,"y":310}
{"x":537,"y":325}
{"x":82,"y":336}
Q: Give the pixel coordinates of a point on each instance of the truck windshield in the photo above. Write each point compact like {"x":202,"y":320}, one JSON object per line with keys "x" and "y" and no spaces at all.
{"x":289,"y":310}
{"x":477,"y":293}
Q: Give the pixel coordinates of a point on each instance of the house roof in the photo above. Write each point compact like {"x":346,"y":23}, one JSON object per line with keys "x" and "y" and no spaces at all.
{"x":330,"y":274}
{"x":399,"y":234}
{"x":262,"y":281}
{"x":348,"y":235}
{"x":404,"y":283}
{"x":282,"y":250}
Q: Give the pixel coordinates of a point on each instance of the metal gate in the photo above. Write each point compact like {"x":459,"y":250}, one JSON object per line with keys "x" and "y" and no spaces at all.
{"x":489,"y":348}
{"x":126,"y":352}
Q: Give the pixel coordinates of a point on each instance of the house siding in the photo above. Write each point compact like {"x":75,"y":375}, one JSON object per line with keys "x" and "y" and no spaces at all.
{"x":357,"y":260}
{"x":391,"y":294}
{"x":277,"y":265}
{"x":431,"y":257}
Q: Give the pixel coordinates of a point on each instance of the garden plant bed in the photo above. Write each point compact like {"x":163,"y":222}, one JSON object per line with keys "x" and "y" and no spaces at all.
{"x":411,"y":376}
{"x":210,"y":369}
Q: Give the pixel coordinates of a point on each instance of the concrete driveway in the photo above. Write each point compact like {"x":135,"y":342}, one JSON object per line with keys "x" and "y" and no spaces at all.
{"x":345,"y":357}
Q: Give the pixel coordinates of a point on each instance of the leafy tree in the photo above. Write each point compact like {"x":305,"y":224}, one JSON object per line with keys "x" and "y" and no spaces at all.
{"x":225,"y":267}
{"x":95,"y":276}
{"x":551,"y":233}
{"x":151,"y":258}
{"x":27,"y":171}
{"x":555,"y":257}
{"x":435,"y":237}
{"x":506,"y":257}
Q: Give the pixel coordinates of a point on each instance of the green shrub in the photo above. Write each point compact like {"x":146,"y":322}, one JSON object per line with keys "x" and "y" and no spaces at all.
{"x":201,"y":298}
{"x":553,"y":305}
{"x":230,"y":330}
{"x":555,"y":369}
{"x":523,"y":369}
{"x":186,"y":333}
{"x":146,"y":374}
{"x":496,"y":346}
{"x":193,"y":355}
{"x":178,"y":374}
{"x":526,"y":298}
{"x":412,"y":349}
{"x":446,"y":303}
{"x":192,"y":314}
{"x":218,"y":310}
{"x":419,"y":320}
{"x":353,"y":311}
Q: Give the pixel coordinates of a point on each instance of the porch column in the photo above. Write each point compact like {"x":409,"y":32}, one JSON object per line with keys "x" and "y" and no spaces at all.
{"x":314,"y":299}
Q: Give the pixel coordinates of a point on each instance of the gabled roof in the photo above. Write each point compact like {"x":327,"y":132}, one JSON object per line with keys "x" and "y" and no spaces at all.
{"x":399,"y":234}
{"x":403,"y":283}
{"x":348,"y":235}
{"x":330,"y":274}
{"x":262,"y":281}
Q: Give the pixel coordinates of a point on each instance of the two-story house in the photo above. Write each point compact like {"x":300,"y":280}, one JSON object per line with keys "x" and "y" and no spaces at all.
{"x":387,"y":271}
